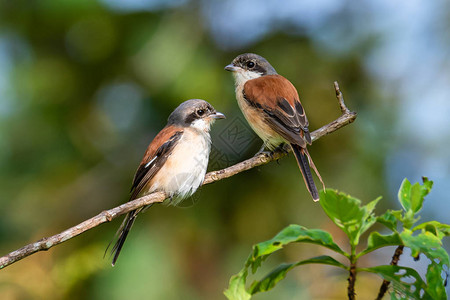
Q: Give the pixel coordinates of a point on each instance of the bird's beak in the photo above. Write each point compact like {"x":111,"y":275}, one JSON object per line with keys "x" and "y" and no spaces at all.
{"x":232,"y":68}
{"x":217,"y":115}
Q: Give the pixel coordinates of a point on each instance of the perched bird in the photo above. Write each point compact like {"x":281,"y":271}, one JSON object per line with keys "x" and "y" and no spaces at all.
{"x":175,"y":161}
{"x":272,"y":107}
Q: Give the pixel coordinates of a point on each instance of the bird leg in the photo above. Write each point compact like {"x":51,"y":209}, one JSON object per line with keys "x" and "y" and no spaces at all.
{"x":282,"y":148}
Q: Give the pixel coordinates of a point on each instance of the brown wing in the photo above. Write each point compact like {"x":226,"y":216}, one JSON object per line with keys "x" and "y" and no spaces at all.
{"x":156,"y":155}
{"x":279,"y":102}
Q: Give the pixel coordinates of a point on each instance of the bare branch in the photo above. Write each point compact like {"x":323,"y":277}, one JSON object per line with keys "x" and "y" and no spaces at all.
{"x":347,"y":117}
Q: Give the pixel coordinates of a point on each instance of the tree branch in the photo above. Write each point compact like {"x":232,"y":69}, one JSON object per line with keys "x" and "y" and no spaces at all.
{"x":347,"y":117}
{"x":385,"y":285}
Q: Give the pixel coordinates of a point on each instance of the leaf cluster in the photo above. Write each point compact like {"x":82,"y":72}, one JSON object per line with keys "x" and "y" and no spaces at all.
{"x":355,"y":219}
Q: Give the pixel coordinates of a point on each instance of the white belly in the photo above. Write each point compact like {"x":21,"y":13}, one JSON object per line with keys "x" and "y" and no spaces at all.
{"x":185,"y":169}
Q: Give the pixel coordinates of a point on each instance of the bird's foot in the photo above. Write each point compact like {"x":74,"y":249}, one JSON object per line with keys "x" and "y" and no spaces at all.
{"x":263,"y":150}
{"x":282,"y":148}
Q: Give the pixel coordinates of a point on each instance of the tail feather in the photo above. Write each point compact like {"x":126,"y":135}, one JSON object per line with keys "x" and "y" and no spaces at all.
{"x":304,"y":161}
{"x":122,"y":234}
{"x":313,"y":166}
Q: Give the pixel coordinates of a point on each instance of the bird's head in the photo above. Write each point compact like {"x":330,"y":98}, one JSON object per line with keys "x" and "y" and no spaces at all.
{"x":195,"y":113}
{"x":249,"y":66}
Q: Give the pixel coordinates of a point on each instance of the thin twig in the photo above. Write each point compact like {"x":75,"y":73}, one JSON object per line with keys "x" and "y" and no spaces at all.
{"x":385,"y":285}
{"x":347,"y":117}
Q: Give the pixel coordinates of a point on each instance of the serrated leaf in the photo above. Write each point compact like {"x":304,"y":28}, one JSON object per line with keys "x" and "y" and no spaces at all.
{"x":236,"y":288}
{"x":291,"y":234}
{"x":411,"y":196}
{"x":270,"y":280}
{"x":377,"y":240}
{"x":405,"y":280}
{"x":430,"y":245}
{"x":427,"y":185}
{"x":347,"y":213}
{"x":426,"y":243}
{"x":438,"y":229}
{"x":436,"y":286}
{"x":390,"y":219}
{"x":370,"y":217}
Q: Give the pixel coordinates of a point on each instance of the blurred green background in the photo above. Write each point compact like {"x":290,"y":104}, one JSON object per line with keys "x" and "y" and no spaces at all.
{"x":85,"y":86}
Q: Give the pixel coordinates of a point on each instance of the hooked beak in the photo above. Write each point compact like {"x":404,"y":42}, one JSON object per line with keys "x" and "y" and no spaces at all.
{"x":232,"y":68}
{"x":217,"y":115}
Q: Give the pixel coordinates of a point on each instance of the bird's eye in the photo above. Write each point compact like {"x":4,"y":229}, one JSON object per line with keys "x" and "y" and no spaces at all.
{"x":200,"y":112}
{"x":250,"y":64}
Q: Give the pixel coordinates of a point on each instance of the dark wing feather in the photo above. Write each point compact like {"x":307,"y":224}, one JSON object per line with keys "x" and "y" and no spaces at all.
{"x":278,"y":99}
{"x":155,"y":156}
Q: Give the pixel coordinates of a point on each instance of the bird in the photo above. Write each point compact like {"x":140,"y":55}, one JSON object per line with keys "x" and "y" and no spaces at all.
{"x":175,"y":161}
{"x":272,"y":107}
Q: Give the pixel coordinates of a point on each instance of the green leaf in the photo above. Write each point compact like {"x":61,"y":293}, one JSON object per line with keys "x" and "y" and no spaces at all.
{"x":438,"y":229}
{"x":376,"y":241}
{"x":290,"y":234}
{"x":430,"y":245}
{"x":296,"y":233}
{"x":405,"y":280}
{"x":369,"y":218}
{"x":404,"y":194}
{"x":436,"y":286}
{"x":236,"y":288}
{"x":270,"y":280}
{"x":411,"y":196}
{"x":395,"y":296}
{"x":426,"y":243}
{"x":347,"y":213}
{"x":390,"y":219}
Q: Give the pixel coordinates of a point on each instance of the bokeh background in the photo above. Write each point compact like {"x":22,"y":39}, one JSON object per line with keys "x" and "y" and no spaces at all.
{"x":85,"y":86}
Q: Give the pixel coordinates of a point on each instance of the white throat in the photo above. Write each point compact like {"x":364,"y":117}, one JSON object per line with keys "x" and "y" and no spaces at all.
{"x":202,"y":125}
{"x":242,"y":76}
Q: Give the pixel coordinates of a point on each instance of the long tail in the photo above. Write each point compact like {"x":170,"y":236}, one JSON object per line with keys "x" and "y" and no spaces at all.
{"x":304,"y":162}
{"x":122,"y":234}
